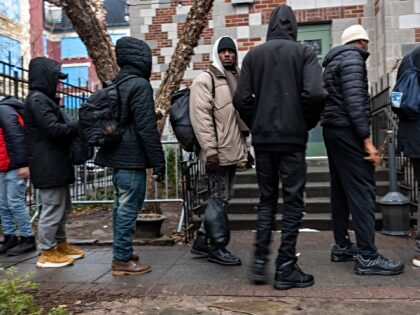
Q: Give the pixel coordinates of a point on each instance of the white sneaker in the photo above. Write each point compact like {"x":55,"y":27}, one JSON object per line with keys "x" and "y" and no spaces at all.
{"x":416,"y":262}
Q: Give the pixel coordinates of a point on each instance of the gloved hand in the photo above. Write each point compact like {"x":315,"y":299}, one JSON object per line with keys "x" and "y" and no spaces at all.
{"x":212,"y":163}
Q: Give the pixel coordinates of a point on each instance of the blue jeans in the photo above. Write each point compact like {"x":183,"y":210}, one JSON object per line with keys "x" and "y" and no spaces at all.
{"x":13,"y":211}
{"x":129,"y":194}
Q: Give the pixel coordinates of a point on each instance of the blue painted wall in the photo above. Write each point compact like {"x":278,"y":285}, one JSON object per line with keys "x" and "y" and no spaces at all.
{"x":10,"y":8}
{"x":9,"y":47}
{"x":76,"y":73}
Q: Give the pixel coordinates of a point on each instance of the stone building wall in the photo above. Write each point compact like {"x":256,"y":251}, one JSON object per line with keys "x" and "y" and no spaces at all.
{"x":393,"y":27}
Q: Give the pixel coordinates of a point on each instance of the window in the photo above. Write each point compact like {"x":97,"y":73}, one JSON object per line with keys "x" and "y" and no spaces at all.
{"x":78,"y":75}
{"x":52,"y":13}
{"x":115,"y":37}
{"x":10,"y":8}
{"x":73,"y":47}
{"x":10,"y":53}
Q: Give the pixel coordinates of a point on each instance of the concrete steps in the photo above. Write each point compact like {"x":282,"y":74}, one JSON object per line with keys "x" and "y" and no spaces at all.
{"x":242,"y":210}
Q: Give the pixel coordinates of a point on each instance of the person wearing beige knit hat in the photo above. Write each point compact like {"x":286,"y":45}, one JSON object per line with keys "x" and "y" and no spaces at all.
{"x":351,"y":154}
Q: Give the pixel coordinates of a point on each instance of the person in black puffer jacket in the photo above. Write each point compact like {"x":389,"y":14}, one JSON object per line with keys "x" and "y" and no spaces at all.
{"x":139,"y":149}
{"x":351,"y":154}
{"x":280,"y":97}
{"x":14,"y":174}
{"x":409,"y":140}
{"x":48,"y":139}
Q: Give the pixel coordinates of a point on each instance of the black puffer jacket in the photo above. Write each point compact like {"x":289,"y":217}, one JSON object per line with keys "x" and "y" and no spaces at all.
{"x":345,"y":78}
{"x":12,"y":136}
{"x":409,"y":130}
{"x":280,"y":83}
{"x":140,"y":147}
{"x":47,"y":135}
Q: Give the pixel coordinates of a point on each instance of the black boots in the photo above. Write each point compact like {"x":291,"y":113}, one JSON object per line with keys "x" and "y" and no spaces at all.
{"x":258,"y":273}
{"x":200,"y":246}
{"x":223,"y":257}
{"x":9,"y":242}
{"x":26,"y":245}
{"x":377,"y":266}
{"x":289,"y":275}
{"x":339,"y":253}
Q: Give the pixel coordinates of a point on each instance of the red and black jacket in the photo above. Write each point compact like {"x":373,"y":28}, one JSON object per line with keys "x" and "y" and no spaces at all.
{"x":12,"y":136}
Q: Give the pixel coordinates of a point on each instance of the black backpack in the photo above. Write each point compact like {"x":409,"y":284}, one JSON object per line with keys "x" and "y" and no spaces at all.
{"x":100,"y":118}
{"x":179,"y":117}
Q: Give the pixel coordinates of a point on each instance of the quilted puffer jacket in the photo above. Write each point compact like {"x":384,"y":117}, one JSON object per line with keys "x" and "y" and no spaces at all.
{"x":140,"y":147}
{"x":345,"y":78}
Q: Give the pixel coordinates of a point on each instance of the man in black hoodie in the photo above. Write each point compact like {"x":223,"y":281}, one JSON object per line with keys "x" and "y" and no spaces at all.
{"x":408,"y":137}
{"x":139,"y":149}
{"x":48,"y":138}
{"x":14,"y":173}
{"x":351,"y":154}
{"x":280,"y":96}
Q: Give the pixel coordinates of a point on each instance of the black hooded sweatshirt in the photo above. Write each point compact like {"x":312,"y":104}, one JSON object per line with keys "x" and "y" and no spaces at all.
{"x":47,"y":134}
{"x":140,"y":147}
{"x":280,"y":93}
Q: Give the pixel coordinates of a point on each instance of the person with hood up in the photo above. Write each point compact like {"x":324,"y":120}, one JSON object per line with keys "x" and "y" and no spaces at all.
{"x":139,"y":149}
{"x":14,"y":173}
{"x":351,"y":155}
{"x":280,"y":97}
{"x":219,"y":131}
{"x":408,"y":137}
{"x":48,"y":138}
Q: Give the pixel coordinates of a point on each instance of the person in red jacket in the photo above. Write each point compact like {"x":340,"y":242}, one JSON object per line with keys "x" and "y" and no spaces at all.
{"x":14,"y":173}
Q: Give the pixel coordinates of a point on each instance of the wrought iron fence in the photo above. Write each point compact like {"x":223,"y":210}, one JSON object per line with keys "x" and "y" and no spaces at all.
{"x":383,"y":119}
{"x":14,"y":81}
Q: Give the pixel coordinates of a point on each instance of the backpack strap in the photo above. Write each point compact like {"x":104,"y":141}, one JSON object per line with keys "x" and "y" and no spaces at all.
{"x":213,"y":94}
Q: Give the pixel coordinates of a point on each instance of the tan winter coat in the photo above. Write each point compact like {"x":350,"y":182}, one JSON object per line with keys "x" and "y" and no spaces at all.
{"x":230,"y":146}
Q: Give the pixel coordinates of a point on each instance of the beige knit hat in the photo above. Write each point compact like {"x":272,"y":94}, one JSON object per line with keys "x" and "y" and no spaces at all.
{"x":352,"y":33}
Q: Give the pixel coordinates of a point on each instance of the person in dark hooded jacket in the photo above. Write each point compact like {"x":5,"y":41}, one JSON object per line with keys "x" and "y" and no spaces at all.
{"x":409,"y":138}
{"x":351,"y":154}
{"x":14,"y":173}
{"x":48,"y":138}
{"x":280,"y":97}
{"x":139,"y":149}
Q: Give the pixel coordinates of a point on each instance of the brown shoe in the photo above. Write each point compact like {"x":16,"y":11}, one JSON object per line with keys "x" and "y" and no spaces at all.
{"x":131,"y":267}
{"x":69,"y":250}
{"x":53,"y":259}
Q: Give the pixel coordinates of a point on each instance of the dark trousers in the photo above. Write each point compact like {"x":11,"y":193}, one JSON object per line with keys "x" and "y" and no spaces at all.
{"x":353,"y":189}
{"x":291,"y":168}
{"x":220,"y":185}
{"x":416,"y":166}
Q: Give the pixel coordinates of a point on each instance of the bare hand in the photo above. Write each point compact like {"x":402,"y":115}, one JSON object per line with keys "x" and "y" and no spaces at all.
{"x":373,"y":153}
{"x":23,"y":172}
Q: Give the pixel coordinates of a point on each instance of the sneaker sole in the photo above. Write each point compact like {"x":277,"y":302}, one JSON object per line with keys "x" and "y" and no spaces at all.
{"x":378,"y":272}
{"x":341,"y":259}
{"x":290,"y":285}
{"x":223,"y":263}
{"x":53,"y":265}
{"x":124,"y":273}
{"x":199,"y":253}
{"x":416,"y":262}
{"x":76,"y":256}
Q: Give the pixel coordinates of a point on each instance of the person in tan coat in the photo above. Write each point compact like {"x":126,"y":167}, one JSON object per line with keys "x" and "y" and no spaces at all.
{"x":221,"y":135}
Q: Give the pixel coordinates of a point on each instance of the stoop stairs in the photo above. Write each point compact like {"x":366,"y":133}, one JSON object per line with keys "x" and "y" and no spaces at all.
{"x":242,"y":211}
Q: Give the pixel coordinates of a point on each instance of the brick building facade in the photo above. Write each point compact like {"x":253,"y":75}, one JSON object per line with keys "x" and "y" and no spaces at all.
{"x":393,"y":27}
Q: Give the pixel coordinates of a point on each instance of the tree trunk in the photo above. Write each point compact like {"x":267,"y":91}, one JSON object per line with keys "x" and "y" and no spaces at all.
{"x":195,"y":23}
{"x":88,"y":19}
{"x":188,"y":40}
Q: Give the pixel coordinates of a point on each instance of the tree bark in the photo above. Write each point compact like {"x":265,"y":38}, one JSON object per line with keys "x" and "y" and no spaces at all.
{"x":195,"y":23}
{"x":88,"y":19}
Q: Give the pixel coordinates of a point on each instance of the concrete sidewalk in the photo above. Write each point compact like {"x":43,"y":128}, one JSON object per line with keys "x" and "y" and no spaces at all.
{"x":176,"y":273}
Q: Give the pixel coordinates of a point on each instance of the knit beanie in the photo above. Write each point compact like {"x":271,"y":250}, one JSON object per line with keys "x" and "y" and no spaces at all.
{"x":353,"y":33}
{"x":226,"y":43}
